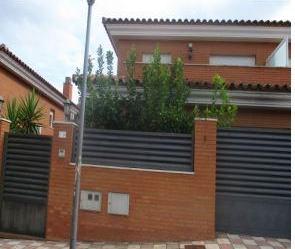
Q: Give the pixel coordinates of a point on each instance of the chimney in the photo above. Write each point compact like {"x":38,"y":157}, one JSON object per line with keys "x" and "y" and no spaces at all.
{"x":68,"y":88}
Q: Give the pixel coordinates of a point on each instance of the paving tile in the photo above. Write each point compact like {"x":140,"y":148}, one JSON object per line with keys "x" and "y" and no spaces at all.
{"x":183,"y":243}
{"x":18,"y":246}
{"x":247,"y":237}
{"x":266,"y":247}
{"x":223,"y":241}
{"x":239,"y":246}
{"x":226,"y":246}
{"x":258,"y":238}
{"x":108,"y":246}
{"x":234,"y":236}
{"x":252,"y":247}
{"x":133,"y":246}
{"x":286,"y":245}
{"x":212,"y":246}
{"x":173,"y":245}
{"x":118,"y":246}
{"x":284,"y":240}
{"x":160,"y":246}
{"x":262,"y":242}
{"x":249,"y":242}
{"x":151,"y":246}
{"x":275,"y":244}
{"x":198,"y":243}
{"x":221,"y":235}
{"x":236,"y":241}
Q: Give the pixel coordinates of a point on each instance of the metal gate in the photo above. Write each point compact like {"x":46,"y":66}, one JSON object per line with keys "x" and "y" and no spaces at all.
{"x":253,"y":181}
{"x":25,"y":184}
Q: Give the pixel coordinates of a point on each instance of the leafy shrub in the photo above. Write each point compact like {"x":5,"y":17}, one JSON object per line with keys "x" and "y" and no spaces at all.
{"x":220,"y":106}
{"x":160,"y":106}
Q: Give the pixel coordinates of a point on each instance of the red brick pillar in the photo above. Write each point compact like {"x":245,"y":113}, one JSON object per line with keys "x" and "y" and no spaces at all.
{"x":4,"y":128}
{"x":60,"y":193}
{"x":205,"y":165}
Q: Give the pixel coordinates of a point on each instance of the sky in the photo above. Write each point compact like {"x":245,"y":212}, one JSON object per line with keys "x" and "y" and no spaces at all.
{"x":49,"y":35}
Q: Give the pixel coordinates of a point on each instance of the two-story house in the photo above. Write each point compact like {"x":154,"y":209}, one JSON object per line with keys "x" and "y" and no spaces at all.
{"x":17,"y":79}
{"x":252,"y":56}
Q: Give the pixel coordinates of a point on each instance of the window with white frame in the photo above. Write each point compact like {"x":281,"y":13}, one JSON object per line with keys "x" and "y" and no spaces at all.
{"x":51,"y":118}
{"x":165,"y":58}
{"x":230,"y":60}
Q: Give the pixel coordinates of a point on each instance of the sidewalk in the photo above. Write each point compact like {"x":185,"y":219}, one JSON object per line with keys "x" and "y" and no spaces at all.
{"x":223,"y":241}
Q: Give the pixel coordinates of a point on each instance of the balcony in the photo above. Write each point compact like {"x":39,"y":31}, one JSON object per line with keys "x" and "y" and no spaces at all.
{"x":240,"y":74}
{"x":237,"y":74}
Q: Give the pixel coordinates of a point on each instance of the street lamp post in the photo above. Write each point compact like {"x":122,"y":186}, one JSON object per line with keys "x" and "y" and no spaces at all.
{"x":76,"y":194}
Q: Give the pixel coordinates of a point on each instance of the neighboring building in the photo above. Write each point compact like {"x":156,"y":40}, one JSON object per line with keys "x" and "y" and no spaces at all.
{"x":252,"y":56}
{"x":17,"y":79}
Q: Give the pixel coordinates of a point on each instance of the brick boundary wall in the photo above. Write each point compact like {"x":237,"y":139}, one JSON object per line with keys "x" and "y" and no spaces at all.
{"x":163,"y":205}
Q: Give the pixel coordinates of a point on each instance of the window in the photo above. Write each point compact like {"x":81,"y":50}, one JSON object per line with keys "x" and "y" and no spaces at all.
{"x":51,"y":118}
{"x":165,"y":58}
{"x":232,"y":60}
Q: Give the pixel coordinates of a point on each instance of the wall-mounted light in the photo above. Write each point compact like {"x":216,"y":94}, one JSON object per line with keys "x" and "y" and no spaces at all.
{"x":1,"y":104}
{"x":190,"y":51}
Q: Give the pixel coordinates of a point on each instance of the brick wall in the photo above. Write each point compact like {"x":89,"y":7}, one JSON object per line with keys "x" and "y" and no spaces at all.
{"x":163,"y":205}
{"x":263,"y":118}
{"x":13,"y":87}
{"x":198,"y":69}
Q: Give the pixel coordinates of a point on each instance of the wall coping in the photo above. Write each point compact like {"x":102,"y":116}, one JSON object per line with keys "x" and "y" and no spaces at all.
{"x":65,"y":123}
{"x":5,"y":120}
{"x":206,"y":119}
{"x":136,"y":169}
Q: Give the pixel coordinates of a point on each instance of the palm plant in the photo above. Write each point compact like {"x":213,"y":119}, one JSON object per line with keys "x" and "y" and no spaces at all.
{"x":12,"y":114}
{"x":25,"y":115}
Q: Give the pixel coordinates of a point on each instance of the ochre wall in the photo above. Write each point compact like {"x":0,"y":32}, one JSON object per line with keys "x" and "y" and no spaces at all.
{"x":163,"y":205}
{"x":12,"y":86}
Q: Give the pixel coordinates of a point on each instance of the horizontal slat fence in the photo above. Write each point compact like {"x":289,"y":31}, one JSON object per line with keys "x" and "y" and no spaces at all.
{"x":133,"y":149}
{"x":26,"y":167}
{"x":252,"y":161}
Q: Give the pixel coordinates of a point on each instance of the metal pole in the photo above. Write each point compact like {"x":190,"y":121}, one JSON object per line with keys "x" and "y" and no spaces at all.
{"x":76,"y":194}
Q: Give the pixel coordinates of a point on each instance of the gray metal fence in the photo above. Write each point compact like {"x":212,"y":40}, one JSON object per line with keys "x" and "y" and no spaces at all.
{"x":147,"y":150}
{"x":254,"y":161}
{"x":254,"y":181}
{"x":25,"y":184}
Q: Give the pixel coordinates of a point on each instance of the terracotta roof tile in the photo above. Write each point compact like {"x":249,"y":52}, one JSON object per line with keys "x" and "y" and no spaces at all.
{"x":5,"y":49}
{"x":273,"y":23}
{"x":232,"y":86}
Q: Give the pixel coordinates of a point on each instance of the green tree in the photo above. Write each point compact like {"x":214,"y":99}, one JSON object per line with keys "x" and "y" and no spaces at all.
{"x":176,"y":117}
{"x":220,"y":106}
{"x":161,"y":104}
{"x":156,"y":78}
{"x":131,"y":104}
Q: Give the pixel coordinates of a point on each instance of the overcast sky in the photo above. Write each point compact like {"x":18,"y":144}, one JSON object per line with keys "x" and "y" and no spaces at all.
{"x":49,"y":35}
